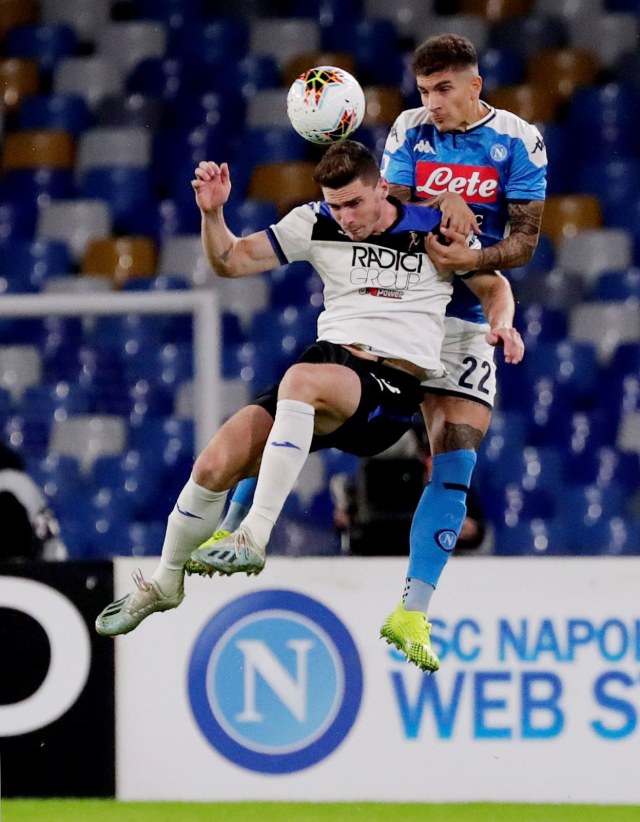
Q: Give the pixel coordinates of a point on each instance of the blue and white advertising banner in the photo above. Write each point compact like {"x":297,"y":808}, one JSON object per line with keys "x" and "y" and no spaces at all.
{"x":277,"y":687}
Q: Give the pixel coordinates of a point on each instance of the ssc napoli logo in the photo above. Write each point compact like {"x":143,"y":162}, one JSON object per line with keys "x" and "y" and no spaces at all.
{"x":446,"y":539}
{"x":498,"y":153}
{"x":275,"y":681}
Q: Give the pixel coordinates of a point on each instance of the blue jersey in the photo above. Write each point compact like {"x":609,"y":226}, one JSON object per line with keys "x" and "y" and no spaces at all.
{"x":499,"y":158}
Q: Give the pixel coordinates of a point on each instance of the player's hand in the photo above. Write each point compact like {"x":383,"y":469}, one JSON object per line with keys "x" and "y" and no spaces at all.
{"x":456,"y":214}
{"x":212,"y":185}
{"x":510,"y":340}
{"x":455,"y":255}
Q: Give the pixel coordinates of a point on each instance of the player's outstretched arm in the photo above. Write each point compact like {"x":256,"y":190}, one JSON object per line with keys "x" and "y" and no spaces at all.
{"x":228,"y":255}
{"x":525,"y":218}
{"x":496,"y":297}
{"x":456,"y":214}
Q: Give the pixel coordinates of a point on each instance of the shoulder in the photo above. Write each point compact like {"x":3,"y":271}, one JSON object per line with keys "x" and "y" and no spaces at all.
{"x":519,"y":132}
{"x":408,"y":123}
{"x":418,"y":218}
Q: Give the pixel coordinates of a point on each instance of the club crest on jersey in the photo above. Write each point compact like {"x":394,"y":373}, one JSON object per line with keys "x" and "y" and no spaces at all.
{"x":499,"y":153}
{"x":476,"y":184}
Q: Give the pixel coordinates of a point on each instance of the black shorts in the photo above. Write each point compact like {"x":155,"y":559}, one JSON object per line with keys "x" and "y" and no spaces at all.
{"x":389,"y":401}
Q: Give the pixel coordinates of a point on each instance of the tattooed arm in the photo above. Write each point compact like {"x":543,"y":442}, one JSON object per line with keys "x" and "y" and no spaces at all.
{"x":525,"y":217}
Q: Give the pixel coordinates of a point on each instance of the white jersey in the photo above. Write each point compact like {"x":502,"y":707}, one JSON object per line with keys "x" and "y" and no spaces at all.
{"x":382,"y":293}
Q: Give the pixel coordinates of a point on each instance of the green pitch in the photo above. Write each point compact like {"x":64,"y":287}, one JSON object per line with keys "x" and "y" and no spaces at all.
{"x":89,"y":810}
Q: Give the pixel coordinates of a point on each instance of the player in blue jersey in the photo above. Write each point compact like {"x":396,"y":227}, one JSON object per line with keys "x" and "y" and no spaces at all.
{"x":357,"y":388}
{"x":457,"y":149}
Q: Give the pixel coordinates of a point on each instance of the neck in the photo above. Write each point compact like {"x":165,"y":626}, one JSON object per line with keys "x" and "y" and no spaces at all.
{"x":388,"y":216}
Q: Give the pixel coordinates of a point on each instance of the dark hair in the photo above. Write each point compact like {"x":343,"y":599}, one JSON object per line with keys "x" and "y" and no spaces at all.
{"x":447,"y":51}
{"x":346,"y":161}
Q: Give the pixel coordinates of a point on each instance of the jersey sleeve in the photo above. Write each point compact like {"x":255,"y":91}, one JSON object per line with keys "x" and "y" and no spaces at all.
{"x":528,"y":177}
{"x":398,"y":166}
{"x":291,"y":236}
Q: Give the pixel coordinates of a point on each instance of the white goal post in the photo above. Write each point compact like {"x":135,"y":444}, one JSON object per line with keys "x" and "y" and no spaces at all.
{"x":202,"y":304}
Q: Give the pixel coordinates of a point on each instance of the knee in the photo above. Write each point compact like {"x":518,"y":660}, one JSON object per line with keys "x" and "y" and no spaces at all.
{"x":300,"y":383}
{"x":210,"y":472}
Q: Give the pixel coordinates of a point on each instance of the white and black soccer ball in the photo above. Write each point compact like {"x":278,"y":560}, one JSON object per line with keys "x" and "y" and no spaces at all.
{"x":325,"y":103}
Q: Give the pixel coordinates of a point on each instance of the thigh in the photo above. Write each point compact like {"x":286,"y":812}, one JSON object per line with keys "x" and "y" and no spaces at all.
{"x":469,"y":360}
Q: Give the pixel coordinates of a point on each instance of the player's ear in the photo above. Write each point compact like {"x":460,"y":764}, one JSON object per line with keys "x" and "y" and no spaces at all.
{"x":476,"y":84}
{"x":383,"y":187}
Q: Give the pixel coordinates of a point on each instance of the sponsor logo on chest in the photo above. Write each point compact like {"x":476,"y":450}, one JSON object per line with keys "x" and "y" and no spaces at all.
{"x":476,"y":184}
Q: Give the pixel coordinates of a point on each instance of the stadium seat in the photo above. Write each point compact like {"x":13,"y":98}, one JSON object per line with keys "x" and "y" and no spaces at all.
{"x":87,"y":437}
{"x":283,"y":38}
{"x":20,"y":367}
{"x":17,"y":13}
{"x":183,"y":254}
{"x":130,"y":110}
{"x":561,"y":71}
{"x":175,"y":154}
{"x":209,"y":108}
{"x":568,"y":9}
{"x":131,"y":475}
{"x":49,"y":148}
{"x":299,"y":63}
{"x":87,"y":17}
{"x":127,"y":191}
{"x":500,"y":67}
{"x":75,"y":222}
{"x":284,"y":184}
{"x":18,"y":78}
{"x":34,"y":261}
{"x":531,"y":102}
{"x":606,"y":325}
{"x":118,"y":146}
{"x":467,"y":25}
{"x":172,"y":216}
{"x":514,"y":503}
{"x":629,"y":433}
{"x":124,"y":43}
{"x":493,"y":11}
{"x":616,"y":536}
{"x":561,"y":168}
{"x":268,"y":109}
{"x":273,"y":144}
{"x":120,"y":258}
{"x":383,"y":105}
{"x":537,"y":537}
{"x":56,"y":475}
{"x":36,"y":187}
{"x":146,"y":538}
{"x":614,"y":182}
{"x":604,"y":467}
{"x":611,"y":114}
{"x":249,"y":76}
{"x":572,"y":365}
{"x":537,"y":324}
{"x":17,"y":220}
{"x":608,"y":34}
{"x":46,"y":43}
{"x":163,"y":77}
{"x":590,"y":252}
{"x":64,"y":112}
{"x":216,"y":44}
{"x":374,"y":45}
{"x":250,"y":216}
{"x":244,"y":297}
{"x":295,"y":284}
{"x":565,"y":215}
{"x":92,"y":78}
{"x":532,"y":33}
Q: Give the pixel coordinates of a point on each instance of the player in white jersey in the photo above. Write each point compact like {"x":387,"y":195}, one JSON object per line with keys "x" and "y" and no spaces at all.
{"x":356,"y":388}
{"x":456,"y":149}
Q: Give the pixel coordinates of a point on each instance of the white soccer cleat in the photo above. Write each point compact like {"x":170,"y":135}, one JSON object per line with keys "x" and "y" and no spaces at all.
{"x":127,"y":613}
{"x":234,"y":554}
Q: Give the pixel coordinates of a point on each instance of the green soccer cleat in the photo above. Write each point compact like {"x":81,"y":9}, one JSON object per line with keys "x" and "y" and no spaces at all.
{"x":409,"y":632}
{"x":127,"y":613}
{"x":233,"y":554}
{"x":193,"y":567}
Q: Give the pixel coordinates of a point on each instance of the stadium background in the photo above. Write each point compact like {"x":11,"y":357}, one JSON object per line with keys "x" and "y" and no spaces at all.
{"x":107,"y":108}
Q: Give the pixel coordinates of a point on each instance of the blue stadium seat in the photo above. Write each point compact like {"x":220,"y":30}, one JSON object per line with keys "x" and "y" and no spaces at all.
{"x":248,"y":76}
{"x":542,"y":262}
{"x":615,"y":183}
{"x":17,"y":220}
{"x":572,"y":365}
{"x":295,"y":284}
{"x":531,"y":33}
{"x":248,"y":216}
{"x":329,"y":13}
{"x":209,"y":108}
{"x":46,"y":43}
{"x":37,"y":186}
{"x":258,"y":366}
{"x":146,"y":538}
{"x":513,"y":503}
{"x":530,"y":469}
{"x":68,"y":112}
{"x":539,"y":324}
{"x":374,"y":45}
{"x":615,"y":536}
{"x":626,"y":359}
{"x":163,"y":77}
{"x":127,"y":190}
{"x":133,"y":475}
{"x":501,"y":67}
{"x":174,"y":216}
{"x":537,"y":537}
{"x":57,"y":475}
{"x":271,"y":145}
{"x":591,"y":503}
{"x":561,"y":169}
{"x":610,"y":114}
{"x":617,"y":285}
{"x":604,"y":467}
{"x":177,"y":151}
{"x":124,"y":109}
{"x":34,"y":262}
{"x":214,"y":45}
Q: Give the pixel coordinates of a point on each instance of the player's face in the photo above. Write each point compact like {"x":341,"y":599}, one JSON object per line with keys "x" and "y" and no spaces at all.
{"x":451,"y":97}
{"x":357,"y":207}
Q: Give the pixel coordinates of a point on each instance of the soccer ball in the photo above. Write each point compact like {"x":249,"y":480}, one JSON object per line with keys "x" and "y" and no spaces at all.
{"x":325,"y":104}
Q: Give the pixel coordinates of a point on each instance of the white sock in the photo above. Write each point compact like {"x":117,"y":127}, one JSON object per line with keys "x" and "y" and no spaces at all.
{"x":417,"y":595}
{"x":192,"y":521}
{"x":284,"y":455}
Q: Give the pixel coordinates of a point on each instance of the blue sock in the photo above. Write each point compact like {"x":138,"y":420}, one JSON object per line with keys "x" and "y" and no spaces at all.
{"x":439,"y":515}
{"x":240,"y":503}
